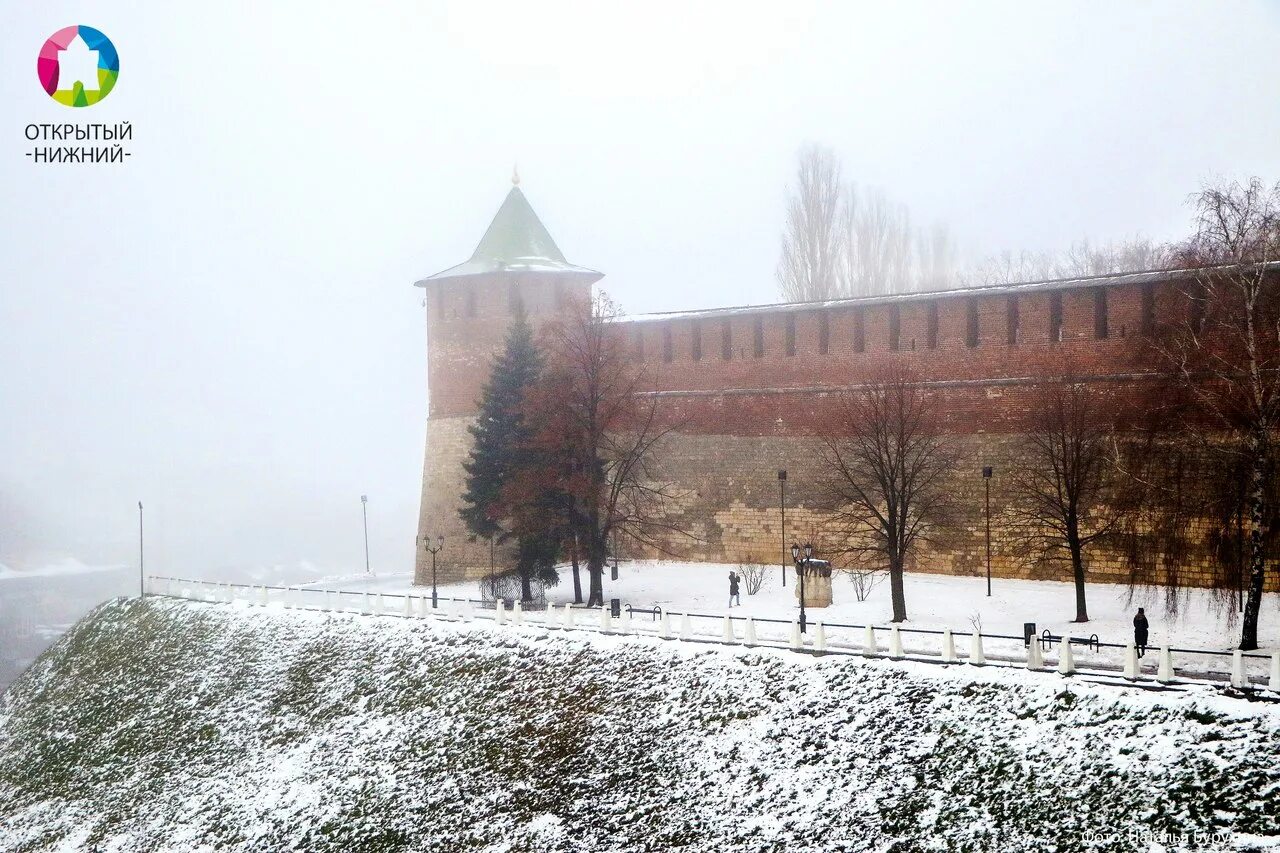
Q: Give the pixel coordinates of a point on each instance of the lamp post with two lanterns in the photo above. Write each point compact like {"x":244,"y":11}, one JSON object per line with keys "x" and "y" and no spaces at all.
{"x":426,"y":543}
{"x":802,"y":571}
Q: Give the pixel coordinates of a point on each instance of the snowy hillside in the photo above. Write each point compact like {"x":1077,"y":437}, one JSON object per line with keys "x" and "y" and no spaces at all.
{"x":173,"y":725}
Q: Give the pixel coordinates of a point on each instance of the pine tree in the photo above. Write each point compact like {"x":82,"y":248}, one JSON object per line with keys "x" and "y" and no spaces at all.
{"x":500,"y":450}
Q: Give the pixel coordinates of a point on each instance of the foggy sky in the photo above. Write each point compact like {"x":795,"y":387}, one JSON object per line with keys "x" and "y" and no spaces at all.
{"x":224,"y":327}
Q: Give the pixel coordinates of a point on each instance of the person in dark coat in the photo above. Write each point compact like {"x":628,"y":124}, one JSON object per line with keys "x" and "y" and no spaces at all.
{"x":733,"y":589}
{"x":1140,"y":632}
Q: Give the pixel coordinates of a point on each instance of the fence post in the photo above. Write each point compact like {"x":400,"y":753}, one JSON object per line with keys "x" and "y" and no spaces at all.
{"x":728,"y":631}
{"x":948,"y":646}
{"x":468,"y":611}
{"x":895,"y":643}
{"x":1066,"y":659}
{"x":1131,"y":662}
{"x":368,"y":605}
{"x":499,"y":612}
{"x":869,"y":642}
{"x":976,"y":657}
{"x":1035,"y":658}
{"x":686,"y":627}
{"x":408,"y":606}
{"x":820,"y":637}
{"x":604,"y":619}
{"x":382,"y":605}
{"x":265,"y":599}
{"x":797,"y":641}
{"x":664,"y":626}
{"x":1164,"y":674}
{"x":517,"y":614}
{"x":1274,"y":681}
{"x":569,"y":617}
{"x":749,"y":633}
{"x":1238,"y":678}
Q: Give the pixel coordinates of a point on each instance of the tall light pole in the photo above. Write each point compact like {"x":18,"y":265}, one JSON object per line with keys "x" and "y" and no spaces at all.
{"x":426,"y":543}
{"x":364,"y":509}
{"x":142,"y":578}
{"x":802,"y":571}
{"x":782,"y":502}
{"x":986,"y":478}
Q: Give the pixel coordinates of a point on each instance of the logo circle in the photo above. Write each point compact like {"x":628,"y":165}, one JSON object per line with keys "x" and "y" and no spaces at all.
{"x":78,"y":66}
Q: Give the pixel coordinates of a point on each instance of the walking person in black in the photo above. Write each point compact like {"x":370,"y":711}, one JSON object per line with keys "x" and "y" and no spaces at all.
{"x":733,"y":589}
{"x":1140,"y":632}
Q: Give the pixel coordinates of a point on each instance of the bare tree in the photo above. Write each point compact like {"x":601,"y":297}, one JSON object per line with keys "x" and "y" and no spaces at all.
{"x":1225,"y":354}
{"x":753,"y":573}
{"x":1066,"y":485}
{"x":811,"y":243}
{"x":1081,"y":259}
{"x":886,"y":459}
{"x":595,"y":437}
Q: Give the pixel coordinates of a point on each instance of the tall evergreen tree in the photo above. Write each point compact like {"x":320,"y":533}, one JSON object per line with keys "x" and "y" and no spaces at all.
{"x":499,"y":450}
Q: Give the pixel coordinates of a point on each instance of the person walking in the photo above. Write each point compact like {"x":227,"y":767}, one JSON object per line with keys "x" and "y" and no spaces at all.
{"x":1140,"y":632}
{"x":733,"y":589}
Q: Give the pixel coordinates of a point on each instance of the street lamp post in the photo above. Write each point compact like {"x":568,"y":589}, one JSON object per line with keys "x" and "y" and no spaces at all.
{"x":142,"y":577}
{"x":986,"y":478}
{"x":426,"y":543}
{"x":364,"y":509}
{"x":802,"y":571}
{"x":782,"y":502}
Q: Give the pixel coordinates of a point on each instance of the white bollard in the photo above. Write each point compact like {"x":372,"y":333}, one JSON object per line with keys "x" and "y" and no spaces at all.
{"x":797,"y":642}
{"x":1035,"y":657}
{"x":264,"y":596}
{"x":1238,"y":678}
{"x":727,"y":634}
{"x":664,"y":627}
{"x":869,"y":646}
{"x":408,"y":606}
{"x":749,"y":633}
{"x":604,"y":619}
{"x":895,"y":643}
{"x":1066,"y":659}
{"x":424,"y":607}
{"x":382,"y":605}
{"x":1274,"y":681}
{"x":819,"y":637}
{"x":328,"y":599}
{"x":948,"y":646}
{"x":976,"y":657}
{"x":1131,"y":662}
{"x":569,"y":617}
{"x":517,"y":614}
{"x":1164,"y":673}
{"x":367,"y":604}
{"x":686,"y":627}
{"x":468,"y":611}
{"x":499,"y":611}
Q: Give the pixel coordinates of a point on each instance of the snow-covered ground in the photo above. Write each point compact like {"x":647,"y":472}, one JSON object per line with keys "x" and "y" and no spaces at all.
{"x":933,"y":602}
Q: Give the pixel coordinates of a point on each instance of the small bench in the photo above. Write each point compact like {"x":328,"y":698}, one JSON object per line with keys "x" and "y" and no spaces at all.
{"x":655,"y":612}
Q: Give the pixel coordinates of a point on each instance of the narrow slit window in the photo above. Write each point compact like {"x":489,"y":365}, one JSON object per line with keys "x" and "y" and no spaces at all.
{"x":971,"y":323}
{"x":859,"y":331}
{"x":1100,"y":330}
{"x":1148,"y":308}
{"x":695,"y":340}
{"x":726,"y":340}
{"x":668,"y":350}
{"x":1012,"y":320}
{"x":895,"y":328}
{"x":824,"y":333}
{"x":791,"y":334}
{"x":1055,"y":317}
{"x":759,"y":337}
{"x":931,"y":326}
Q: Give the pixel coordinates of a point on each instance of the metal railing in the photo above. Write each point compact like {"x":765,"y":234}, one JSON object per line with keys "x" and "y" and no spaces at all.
{"x":941,"y":646}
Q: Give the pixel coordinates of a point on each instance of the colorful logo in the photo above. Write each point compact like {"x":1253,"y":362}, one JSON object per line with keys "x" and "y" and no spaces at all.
{"x":78,"y":66}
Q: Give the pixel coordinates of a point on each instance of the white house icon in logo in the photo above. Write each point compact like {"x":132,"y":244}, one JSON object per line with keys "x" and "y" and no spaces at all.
{"x":78,"y":63}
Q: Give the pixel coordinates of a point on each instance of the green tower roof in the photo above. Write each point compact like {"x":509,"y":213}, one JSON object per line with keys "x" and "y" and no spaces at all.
{"x":516,"y":241}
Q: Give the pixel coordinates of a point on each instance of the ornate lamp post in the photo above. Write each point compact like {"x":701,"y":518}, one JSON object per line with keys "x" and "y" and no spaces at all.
{"x":364,"y":510}
{"x":986,"y":478}
{"x":782,"y":502}
{"x":426,"y":543}
{"x":802,"y":571}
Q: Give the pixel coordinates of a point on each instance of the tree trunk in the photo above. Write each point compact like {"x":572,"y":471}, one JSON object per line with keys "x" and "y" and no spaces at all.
{"x":577,"y":579}
{"x":1077,"y":572}
{"x":896,"y":591}
{"x":595,"y":598}
{"x":1257,"y":557}
{"x":526,"y":592}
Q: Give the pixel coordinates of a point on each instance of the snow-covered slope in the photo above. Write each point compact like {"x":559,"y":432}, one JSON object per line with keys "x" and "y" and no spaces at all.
{"x":171,"y":725}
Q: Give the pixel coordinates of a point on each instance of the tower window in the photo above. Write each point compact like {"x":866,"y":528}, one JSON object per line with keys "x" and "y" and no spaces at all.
{"x":824,"y":333}
{"x":859,"y":331}
{"x":695,"y":340}
{"x":1100,"y":313}
{"x":791,"y":334}
{"x":758,"y":334}
{"x":1148,"y":308}
{"x":1012,"y":320}
{"x":931,"y":326}
{"x":668,"y":351}
{"x":726,"y":340}
{"x":971,"y":323}
{"x":895,"y":328}
{"x":1055,"y":316}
